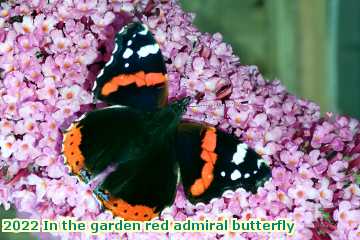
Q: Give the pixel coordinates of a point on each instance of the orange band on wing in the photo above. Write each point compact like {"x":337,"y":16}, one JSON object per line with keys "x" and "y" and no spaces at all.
{"x":154,"y":78}
{"x":209,"y":156}
{"x":72,"y":152}
{"x":141,"y":79}
{"x":121,"y":208}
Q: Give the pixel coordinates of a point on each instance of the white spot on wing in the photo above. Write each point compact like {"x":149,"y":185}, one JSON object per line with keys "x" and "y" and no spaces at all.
{"x":129,"y":42}
{"x":222,"y":174}
{"x":122,"y":30}
{"x":247,"y":175}
{"x":128,"y":52}
{"x":235,"y":175}
{"x":255,"y":171}
{"x":179,"y":177}
{"x":99,"y":75}
{"x":80,"y":118}
{"x":94,"y":87}
{"x":115,"y":106}
{"x":145,"y":31}
{"x":148,"y":49}
{"x":115,"y":48}
{"x":110,"y":61}
{"x":126,"y":65}
{"x":240,"y":154}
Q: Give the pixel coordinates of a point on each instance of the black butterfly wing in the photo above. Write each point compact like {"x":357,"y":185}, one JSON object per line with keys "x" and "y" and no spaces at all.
{"x":212,"y":161}
{"x":135,"y":75}
{"x":145,"y":175}
{"x":140,"y":189}
{"x":100,"y":138}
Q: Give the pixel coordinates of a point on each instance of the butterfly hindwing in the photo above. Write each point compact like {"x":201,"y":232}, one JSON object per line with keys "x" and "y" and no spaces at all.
{"x":102,"y":137}
{"x":135,"y":75}
{"x":212,"y":161}
{"x":144,"y":175}
{"x":140,"y":189}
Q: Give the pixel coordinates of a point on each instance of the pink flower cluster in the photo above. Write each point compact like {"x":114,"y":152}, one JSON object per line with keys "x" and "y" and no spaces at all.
{"x":50,"y":53}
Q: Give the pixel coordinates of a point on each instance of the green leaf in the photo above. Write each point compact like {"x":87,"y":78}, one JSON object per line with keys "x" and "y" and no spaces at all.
{"x":325,"y":215}
{"x":357,"y":178}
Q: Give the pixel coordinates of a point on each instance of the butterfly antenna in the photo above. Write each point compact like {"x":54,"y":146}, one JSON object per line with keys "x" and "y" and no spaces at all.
{"x":217,"y":102}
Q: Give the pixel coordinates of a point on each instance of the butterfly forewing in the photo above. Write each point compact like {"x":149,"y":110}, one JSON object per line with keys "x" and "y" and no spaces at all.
{"x":102,"y":137}
{"x":212,"y":161}
{"x":135,"y":75}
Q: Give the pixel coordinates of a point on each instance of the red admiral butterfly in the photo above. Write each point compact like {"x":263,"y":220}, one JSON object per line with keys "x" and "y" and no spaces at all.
{"x":148,"y":142}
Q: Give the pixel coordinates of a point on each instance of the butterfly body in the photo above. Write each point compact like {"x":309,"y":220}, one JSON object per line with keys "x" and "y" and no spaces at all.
{"x":148,"y":144}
